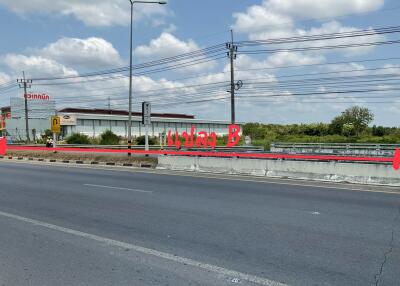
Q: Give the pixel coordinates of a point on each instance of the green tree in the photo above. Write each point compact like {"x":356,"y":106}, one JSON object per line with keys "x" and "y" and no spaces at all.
{"x":348,"y":129}
{"x":359,"y":117}
{"x":109,"y":138}
{"x":254,"y":130}
{"x":379,"y":131}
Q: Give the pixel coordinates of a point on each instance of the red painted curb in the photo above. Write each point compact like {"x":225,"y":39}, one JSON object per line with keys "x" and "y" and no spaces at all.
{"x":395,"y":160}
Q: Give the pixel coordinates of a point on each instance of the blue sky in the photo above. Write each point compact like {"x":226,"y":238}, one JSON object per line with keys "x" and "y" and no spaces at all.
{"x":49,"y":38}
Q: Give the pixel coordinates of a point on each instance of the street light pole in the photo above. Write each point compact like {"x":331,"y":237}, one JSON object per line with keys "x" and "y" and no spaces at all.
{"x":130,"y":69}
{"x":130,"y":86}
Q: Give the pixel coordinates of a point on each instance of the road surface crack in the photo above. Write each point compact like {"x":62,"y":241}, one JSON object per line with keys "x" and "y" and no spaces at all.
{"x":378,"y":275}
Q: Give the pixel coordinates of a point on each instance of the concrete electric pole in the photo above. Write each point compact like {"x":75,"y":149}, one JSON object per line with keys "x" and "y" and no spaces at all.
{"x":25,"y":84}
{"x":232,"y":55}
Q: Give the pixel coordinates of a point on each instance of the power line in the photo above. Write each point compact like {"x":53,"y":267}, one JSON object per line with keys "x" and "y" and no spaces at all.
{"x":257,"y":78}
{"x":321,"y":64}
{"x":320,"y":37}
{"x":193,"y":56}
{"x":274,"y":68}
{"x":317,"y":48}
{"x":325,"y":79}
{"x":178,"y":66}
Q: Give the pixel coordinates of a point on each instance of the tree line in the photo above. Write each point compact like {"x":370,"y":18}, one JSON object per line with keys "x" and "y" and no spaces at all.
{"x":351,"y":126}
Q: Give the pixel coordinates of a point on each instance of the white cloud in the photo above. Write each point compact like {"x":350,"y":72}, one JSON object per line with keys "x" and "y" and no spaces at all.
{"x":37,"y":66}
{"x":390,"y":69}
{"x":275,"y":19}
{"x":343,"y":69}
{"x":167,"y":45}
{"x":170,"y":29}
{"x":277,"y":16}
{"x":91,"y":53}
{"x":4,"y":78}
{"x":322,"y":8}
{"x":258,"y":19}
{"x":293,"y":59}
{"x":90,"y":12}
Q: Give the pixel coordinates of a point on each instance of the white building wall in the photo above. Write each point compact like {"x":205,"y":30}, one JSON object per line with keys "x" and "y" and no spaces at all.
{"x":94,"y":125}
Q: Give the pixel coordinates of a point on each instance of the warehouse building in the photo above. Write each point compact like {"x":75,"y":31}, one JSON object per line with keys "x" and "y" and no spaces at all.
{"x":93,"y":122}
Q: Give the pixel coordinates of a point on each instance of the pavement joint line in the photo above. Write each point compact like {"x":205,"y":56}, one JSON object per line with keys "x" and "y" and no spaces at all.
{"x":117,"y":188}
{"x":148,"y":251}
{"x":216,"y":177}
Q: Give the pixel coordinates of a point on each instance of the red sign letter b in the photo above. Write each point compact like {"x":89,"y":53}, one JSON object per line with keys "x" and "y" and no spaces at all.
{"x":233,"y":137}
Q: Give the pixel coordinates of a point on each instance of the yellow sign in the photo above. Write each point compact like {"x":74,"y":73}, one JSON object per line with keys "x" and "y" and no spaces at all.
{"x":55,"y":124}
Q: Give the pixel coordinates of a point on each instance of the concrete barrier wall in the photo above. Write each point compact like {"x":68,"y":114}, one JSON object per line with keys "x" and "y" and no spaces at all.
{"x":364,"y":173}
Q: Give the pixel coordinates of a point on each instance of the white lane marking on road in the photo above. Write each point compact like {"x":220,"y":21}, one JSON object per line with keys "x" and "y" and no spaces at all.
{"x":315,"y":213}
{"x":148,"y":251}
{"x":117,"y":188}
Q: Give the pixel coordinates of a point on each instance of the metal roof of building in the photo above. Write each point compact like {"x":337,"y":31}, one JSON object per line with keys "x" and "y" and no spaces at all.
{"x":123,"y":112}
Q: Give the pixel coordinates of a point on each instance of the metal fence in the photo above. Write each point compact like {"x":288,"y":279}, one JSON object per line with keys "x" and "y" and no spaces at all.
{"x":335,"y":148}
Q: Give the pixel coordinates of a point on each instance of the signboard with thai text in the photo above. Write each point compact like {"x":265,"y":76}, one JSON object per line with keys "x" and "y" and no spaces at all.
{"x":202,"y":139}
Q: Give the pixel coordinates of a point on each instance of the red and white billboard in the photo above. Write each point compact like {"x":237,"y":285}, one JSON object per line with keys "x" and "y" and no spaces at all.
{"x":37,"y":96}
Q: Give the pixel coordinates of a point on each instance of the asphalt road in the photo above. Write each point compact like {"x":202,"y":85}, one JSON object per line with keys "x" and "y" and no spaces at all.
{"x":77,"y":226}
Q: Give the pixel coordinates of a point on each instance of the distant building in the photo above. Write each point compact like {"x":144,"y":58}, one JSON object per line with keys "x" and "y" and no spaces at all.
{"x":40,"y":109}
{"x":93,"y":122}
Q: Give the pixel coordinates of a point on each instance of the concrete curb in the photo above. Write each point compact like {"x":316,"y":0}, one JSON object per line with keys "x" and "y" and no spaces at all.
{"x":78,"y":162}
{"x":323,"y":171}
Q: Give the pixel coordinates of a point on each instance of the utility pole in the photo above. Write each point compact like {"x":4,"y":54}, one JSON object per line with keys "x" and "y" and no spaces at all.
{"x":132,"y":2}
{"x":232,"y":55}
{"x":130,"y":84}
{"x":25,"y":84}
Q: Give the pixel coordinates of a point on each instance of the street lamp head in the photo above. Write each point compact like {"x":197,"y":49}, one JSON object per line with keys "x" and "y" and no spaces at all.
{"x":162,"y":2}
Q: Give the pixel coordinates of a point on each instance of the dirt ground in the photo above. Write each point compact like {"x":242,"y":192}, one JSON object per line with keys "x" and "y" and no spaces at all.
{"x":114,"y":158}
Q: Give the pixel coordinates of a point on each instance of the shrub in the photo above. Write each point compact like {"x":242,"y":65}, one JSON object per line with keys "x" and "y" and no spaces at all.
{"x":141,"y":140}
{"x":109,"y":138}
{"x":78,"y":138}
{"x":348,"y":129}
